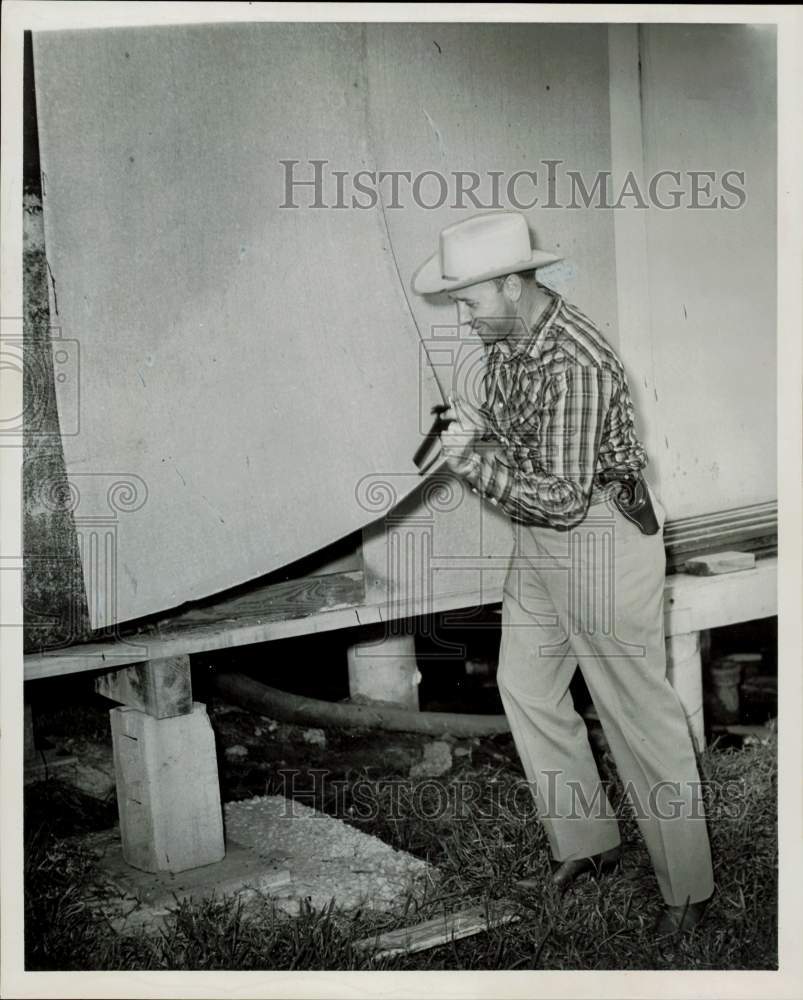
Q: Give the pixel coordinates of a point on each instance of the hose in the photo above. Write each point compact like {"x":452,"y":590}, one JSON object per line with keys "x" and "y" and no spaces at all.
{"x":284,"y":707}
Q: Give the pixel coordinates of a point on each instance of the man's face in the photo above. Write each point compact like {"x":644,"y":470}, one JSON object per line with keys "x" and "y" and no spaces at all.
{"x":487,"y":309}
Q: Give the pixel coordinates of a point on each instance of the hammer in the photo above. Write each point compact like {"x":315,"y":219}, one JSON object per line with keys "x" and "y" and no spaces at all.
{"x":422,"y":455}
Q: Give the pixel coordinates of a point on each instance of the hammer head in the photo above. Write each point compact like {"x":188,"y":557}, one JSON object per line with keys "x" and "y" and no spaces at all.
{"x":424,"y":453}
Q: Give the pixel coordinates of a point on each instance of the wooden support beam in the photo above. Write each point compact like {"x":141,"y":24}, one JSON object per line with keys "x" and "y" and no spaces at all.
{"x":167,"y":822}
{"x":160,"y":688}
{"x":749,"y":529}
{"x":262,"y":614}
{"x":691,"y":605}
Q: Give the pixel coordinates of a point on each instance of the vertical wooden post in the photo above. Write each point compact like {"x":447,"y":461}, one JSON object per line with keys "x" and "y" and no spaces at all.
{"x":29,"y":748}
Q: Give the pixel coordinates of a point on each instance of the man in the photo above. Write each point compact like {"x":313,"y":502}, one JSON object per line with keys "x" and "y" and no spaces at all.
{"x":552,"y":444}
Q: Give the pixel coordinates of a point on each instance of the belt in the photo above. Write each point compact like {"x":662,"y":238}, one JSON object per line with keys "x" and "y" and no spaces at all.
{"x":628,"y":493}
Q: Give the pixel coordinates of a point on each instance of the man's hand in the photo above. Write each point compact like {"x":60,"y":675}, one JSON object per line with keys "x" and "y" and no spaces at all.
{"x":458,"y":440}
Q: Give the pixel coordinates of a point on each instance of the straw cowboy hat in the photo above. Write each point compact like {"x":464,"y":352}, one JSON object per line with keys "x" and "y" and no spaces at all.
{"x":478,"y":249}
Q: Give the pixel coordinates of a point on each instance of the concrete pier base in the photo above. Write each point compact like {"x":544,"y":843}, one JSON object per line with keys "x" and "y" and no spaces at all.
{"x":168,"y":793}
{"x":384,"y":668}
{"x":144,"y":900}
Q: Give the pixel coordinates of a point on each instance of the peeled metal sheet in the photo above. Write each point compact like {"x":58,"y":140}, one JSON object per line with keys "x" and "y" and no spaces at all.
{"x":241,"y":368}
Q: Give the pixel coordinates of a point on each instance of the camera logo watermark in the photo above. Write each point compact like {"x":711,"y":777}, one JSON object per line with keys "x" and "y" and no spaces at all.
{"x":412,"y":567}
{"x":37,"y":364}
{"x":84,"y":510}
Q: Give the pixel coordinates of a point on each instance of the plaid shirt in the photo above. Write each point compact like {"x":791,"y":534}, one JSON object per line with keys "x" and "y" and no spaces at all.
{"x":559,"y":421}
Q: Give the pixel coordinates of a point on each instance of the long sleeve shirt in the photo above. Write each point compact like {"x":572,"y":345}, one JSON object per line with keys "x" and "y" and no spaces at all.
{"x":559,"y":418}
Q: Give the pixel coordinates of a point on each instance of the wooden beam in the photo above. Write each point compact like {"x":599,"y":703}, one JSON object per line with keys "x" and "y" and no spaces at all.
{"x":277,"y":611}
{"x":751,"y":594}
{"x":160,"y":688}
{"x":749,"y":529}
{"x":440,"y":930}
{"x":694,"y":603}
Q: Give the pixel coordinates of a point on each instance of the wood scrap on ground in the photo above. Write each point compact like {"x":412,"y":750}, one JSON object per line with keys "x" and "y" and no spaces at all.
{"x":440,"y":930}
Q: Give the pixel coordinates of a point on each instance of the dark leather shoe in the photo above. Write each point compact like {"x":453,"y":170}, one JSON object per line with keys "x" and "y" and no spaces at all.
{"x":680,"y":919}
{"x":565,"y":873}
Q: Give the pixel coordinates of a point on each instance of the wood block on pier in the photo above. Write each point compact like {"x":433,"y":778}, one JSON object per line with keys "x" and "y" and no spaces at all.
{"x":161,"y":688}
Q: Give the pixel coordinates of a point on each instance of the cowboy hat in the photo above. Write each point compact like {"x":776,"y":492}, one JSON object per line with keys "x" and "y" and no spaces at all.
{"x":478,"y":249}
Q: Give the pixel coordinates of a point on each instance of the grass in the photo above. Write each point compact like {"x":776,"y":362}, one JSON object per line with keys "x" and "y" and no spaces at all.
{"x":598,"y":925}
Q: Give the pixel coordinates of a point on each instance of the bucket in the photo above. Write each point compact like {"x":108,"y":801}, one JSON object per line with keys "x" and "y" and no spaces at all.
{"x":725,"y":675}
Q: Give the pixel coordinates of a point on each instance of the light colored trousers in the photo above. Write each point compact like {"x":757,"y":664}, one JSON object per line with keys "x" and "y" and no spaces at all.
{"x":593,"y":596}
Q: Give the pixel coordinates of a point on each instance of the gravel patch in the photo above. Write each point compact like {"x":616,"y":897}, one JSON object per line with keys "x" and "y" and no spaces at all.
{"x":327,"y":858}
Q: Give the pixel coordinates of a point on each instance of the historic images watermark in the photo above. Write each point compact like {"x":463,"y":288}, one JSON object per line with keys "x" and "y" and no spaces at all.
{"x":317,"y":184}
{"x":363,"y":800}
